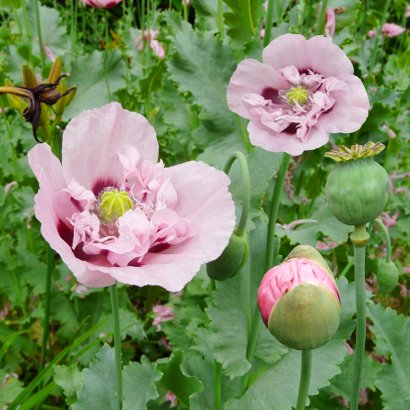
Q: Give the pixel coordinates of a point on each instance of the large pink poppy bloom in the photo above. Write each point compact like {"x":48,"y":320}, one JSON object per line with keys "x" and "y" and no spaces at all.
{"x":114,"y":213}
{"x":101,"y":4}
{"x":301,"y":92}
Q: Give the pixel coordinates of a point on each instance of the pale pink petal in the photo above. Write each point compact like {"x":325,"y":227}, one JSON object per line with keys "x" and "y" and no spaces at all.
{"x":330,"y":22}
{"x":204,"y":200}
{"x":93,"y":139}
{"x":101,"y":4}
{"x":350,"y":109}
{"x":392,"y":30}
{"x":48,"y":171}
{"x":251,"y":77}
{"x":318,"y":54}
{"x":283,"y":142}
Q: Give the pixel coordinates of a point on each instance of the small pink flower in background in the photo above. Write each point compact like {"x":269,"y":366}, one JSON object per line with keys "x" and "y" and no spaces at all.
{"x":165,"y":342}
{"x":101,"y":4}
{"x":5,"y":311}
{"x":49,"y":53}
{"x":162,"y":314}
{"x":390,"y":133}
{"x":330,"y":22}
{"x":408,"y":11}
{"x":326,"y":245}
{"x":114,"y":213}
{"x":303,"y":91}
{"x":288,"y":275}
{"x":388,"y":30}
{"x":150,"y":36}
{"x":390,"y":221}
{"x":186,"y":2}
{"x":171,"y":398}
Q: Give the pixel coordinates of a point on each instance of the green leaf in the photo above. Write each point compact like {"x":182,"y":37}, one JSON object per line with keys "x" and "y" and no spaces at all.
{"x":10,"y":388}
{"x":70,"y":380}
{"x":392,"y":337}
{"x":243,"y":19}
{"x":202,"y":65}
{"x":275,"y":389}
{"x":139,"y":384}
{"x":94,"y":75}
{"x":175,"y":379}
{"x":99,"y":384}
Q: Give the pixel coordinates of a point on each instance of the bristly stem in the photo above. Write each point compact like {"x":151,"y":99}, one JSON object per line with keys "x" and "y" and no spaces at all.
{"x":305,"y":372}
{"x":39,"y":32}
{"x":268,"y":23}
{"x":274,"y":208}
{"x":217,"y":385}
{"x":359,"y":238}
{"x":46,"y":320}
{"x":322,"y":18}
{"x":117,"y":343}
{"x":246,"y":188}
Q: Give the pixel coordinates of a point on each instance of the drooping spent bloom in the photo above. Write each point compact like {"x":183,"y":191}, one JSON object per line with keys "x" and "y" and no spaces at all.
{"x":114,"y":213}
{"x":101,"y":4}
{"x":388,"y":30}
{"x":150,"y":36}
{"x":330,"y":26}
{"x":299,"y":302}
{"x":301,"y":92}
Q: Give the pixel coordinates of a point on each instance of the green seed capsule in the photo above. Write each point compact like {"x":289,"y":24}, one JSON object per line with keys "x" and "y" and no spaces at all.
{"x":357,"y":189}
{"x":231,"y":260}
{"x":387,"y":276}
{"x":306,"y":317}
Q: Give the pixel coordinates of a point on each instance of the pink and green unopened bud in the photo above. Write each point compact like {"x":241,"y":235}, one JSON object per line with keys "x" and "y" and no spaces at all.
{"x":299,"y":302}
{"x":232,"y":259}
{"x":358,"y":188}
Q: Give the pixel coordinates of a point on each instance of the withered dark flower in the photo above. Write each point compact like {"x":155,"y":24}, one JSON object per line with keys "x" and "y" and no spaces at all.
{"x":46,"y":93}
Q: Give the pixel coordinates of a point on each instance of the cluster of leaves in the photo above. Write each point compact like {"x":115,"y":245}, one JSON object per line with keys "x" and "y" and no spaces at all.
{"x":183,"y":96}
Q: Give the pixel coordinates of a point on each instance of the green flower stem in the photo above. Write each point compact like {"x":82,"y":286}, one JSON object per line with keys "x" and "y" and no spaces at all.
{"x":117,"y":343}
{"x":386,"y":234}
{"x":273,"y":213}
{"x":268,"y":23}
{"x":46,"y":319}
{"x":305,"y":372}
{"x":73,"y":25}
{"x":322,"y":18}
{"x":106,"y":36}
{"x":246,"y":204}
{"x":359,"y":238}
{"x":39,"y":32}
{"x":217,"y":385}
{"x":219,"y":19}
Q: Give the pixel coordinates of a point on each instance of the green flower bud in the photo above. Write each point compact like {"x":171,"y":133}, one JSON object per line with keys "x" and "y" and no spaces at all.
{"x":387,"y":276}
{"x":358,"y":188}
{"x":231,"y":260}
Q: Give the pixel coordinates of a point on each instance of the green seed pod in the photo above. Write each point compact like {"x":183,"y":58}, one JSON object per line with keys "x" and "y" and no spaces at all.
{"x":306,"y":317}
{"x":231,"y":260}
{"x":358,"y":188}
{"x":387,"y":276}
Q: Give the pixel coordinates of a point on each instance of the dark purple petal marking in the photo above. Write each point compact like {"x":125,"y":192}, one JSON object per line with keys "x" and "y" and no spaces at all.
{"x":159,"y":248}
{"x":270,"y":93}
{"x":291,"y":128}
{"x":100,"y":184}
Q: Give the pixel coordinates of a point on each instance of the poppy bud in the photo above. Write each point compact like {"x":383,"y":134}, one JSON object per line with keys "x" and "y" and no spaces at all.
{"x":231,"y":260}
{"x":387,"y":276}
{"x":357,"y":189}
{"x":299,"y":303}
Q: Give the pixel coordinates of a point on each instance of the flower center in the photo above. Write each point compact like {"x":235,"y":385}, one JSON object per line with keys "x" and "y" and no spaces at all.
{"x":298,"y":95}
{"x":114,"y":203}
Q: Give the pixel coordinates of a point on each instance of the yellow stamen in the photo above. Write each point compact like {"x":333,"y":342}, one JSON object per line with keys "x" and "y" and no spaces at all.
{"x":298,"y":95}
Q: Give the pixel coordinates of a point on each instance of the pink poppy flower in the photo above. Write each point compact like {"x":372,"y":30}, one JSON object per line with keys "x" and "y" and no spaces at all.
{"x":301,"y":92}
{"x":114,"y":213}
{"x":388,"y":30}
{"x":150,"y":36}
{"x":101,"y":4}
{"x":287,"y":276}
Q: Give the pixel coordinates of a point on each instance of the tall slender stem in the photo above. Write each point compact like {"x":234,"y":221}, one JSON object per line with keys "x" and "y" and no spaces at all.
{"x":322,"y":17}
{"x":117,"y":343}
{"x":274,"y":208}
{"x":46,"y":320}
{"x":39,"y":31}
{"x":268,"y":23}
{"x":385,"y":232}
{"x":359,"y":238}
{"x":305,"y":372}
{"x":217,"y":385}
{"x":246,"y":195}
